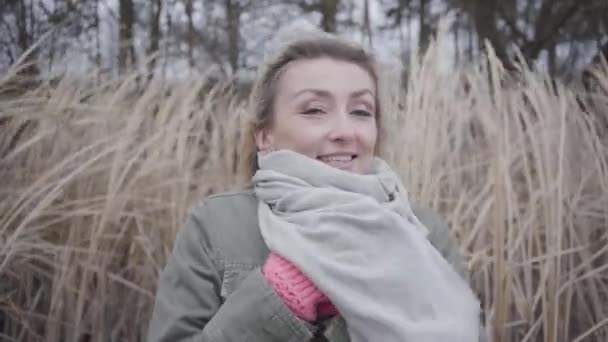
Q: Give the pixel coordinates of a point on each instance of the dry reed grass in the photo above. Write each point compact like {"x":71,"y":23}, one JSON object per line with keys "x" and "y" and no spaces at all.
{"x":97,"y":182}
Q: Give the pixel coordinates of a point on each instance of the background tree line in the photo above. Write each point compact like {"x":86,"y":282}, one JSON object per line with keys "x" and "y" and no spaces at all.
{"x":561,"y":36}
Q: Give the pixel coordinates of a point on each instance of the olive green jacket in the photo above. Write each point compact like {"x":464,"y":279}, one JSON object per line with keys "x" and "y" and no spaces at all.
{"x":212,"y":288}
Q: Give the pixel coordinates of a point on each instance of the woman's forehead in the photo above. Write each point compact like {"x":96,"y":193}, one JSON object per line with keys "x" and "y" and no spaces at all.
{"x":324,"y":76}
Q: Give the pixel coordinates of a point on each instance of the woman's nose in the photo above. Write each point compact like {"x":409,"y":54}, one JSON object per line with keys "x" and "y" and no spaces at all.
{"x":342,"y":128}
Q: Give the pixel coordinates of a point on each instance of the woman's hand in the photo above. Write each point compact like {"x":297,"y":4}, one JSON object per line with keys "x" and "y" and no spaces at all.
{"x":298,"y":292}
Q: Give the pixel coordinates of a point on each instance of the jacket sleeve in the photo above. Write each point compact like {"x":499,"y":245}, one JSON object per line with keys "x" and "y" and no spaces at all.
{"x":188,"y":306}
{"x":441,"y":237}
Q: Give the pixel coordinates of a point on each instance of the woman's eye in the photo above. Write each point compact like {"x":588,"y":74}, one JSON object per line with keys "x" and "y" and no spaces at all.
{"x":312,"y":111}
{"x":362,"y":112}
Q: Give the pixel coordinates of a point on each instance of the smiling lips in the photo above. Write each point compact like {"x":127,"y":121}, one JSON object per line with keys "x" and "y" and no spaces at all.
{"x":340,"y":161}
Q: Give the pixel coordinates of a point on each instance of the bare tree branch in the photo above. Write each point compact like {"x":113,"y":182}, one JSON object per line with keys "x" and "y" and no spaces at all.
{"x":549,"y":30}
{"x":511,"y":23}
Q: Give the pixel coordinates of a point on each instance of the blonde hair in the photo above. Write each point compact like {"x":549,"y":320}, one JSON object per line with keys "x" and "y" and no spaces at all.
{"x":312,"y":46}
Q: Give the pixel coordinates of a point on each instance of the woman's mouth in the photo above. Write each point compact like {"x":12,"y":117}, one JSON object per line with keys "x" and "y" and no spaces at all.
{"x":339,"y":161}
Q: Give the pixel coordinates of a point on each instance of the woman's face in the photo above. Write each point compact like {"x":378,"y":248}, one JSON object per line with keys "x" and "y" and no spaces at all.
{"x":325,"y":109}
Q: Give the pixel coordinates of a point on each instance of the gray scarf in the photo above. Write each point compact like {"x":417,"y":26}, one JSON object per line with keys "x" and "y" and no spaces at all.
{"x":356,"y":237}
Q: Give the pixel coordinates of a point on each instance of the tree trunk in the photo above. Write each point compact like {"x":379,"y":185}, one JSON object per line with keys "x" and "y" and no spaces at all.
{"x":367,"y":26}
{"x":126,"y":52}
{"x":329,"y":10}
{"x":233,"y":18}
{"x":484,"y":16}
{"x":97,"y":37}
{"x":424,"y":36}
{"x":189,"y":12}
{"x":456,"y":37}
{"x":155,"y":34}
{"x":547,"y":26}
{"x":25,"y":39}
{"x":169,"y":32}
{"x":471,"y":39}
{"x":409,"y":35}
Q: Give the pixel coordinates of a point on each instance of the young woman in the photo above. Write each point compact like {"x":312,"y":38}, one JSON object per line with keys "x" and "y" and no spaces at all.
{"x":324,"y":246}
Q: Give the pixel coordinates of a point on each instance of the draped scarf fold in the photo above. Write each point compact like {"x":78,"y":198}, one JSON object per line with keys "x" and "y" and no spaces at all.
{"x":356,"y":237}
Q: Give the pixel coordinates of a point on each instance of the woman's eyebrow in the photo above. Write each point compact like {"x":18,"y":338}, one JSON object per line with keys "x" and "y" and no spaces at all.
{"x":317,"y":92}
{"x":362,"y":92}
{"x":327,"y":94}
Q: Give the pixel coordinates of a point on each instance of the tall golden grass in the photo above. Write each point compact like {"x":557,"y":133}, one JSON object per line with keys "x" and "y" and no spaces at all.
{"x":96,"y":178}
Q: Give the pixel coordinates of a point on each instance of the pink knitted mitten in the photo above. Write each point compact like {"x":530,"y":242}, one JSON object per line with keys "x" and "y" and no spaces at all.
{"x":300,"y":295}
{"x":326,"y":309}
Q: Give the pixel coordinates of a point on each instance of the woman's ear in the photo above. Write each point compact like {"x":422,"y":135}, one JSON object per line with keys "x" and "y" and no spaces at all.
{"x":263,"y":140}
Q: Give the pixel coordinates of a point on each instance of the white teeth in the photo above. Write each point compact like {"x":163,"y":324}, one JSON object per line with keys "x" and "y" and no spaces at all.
{"x":337,"y":158}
